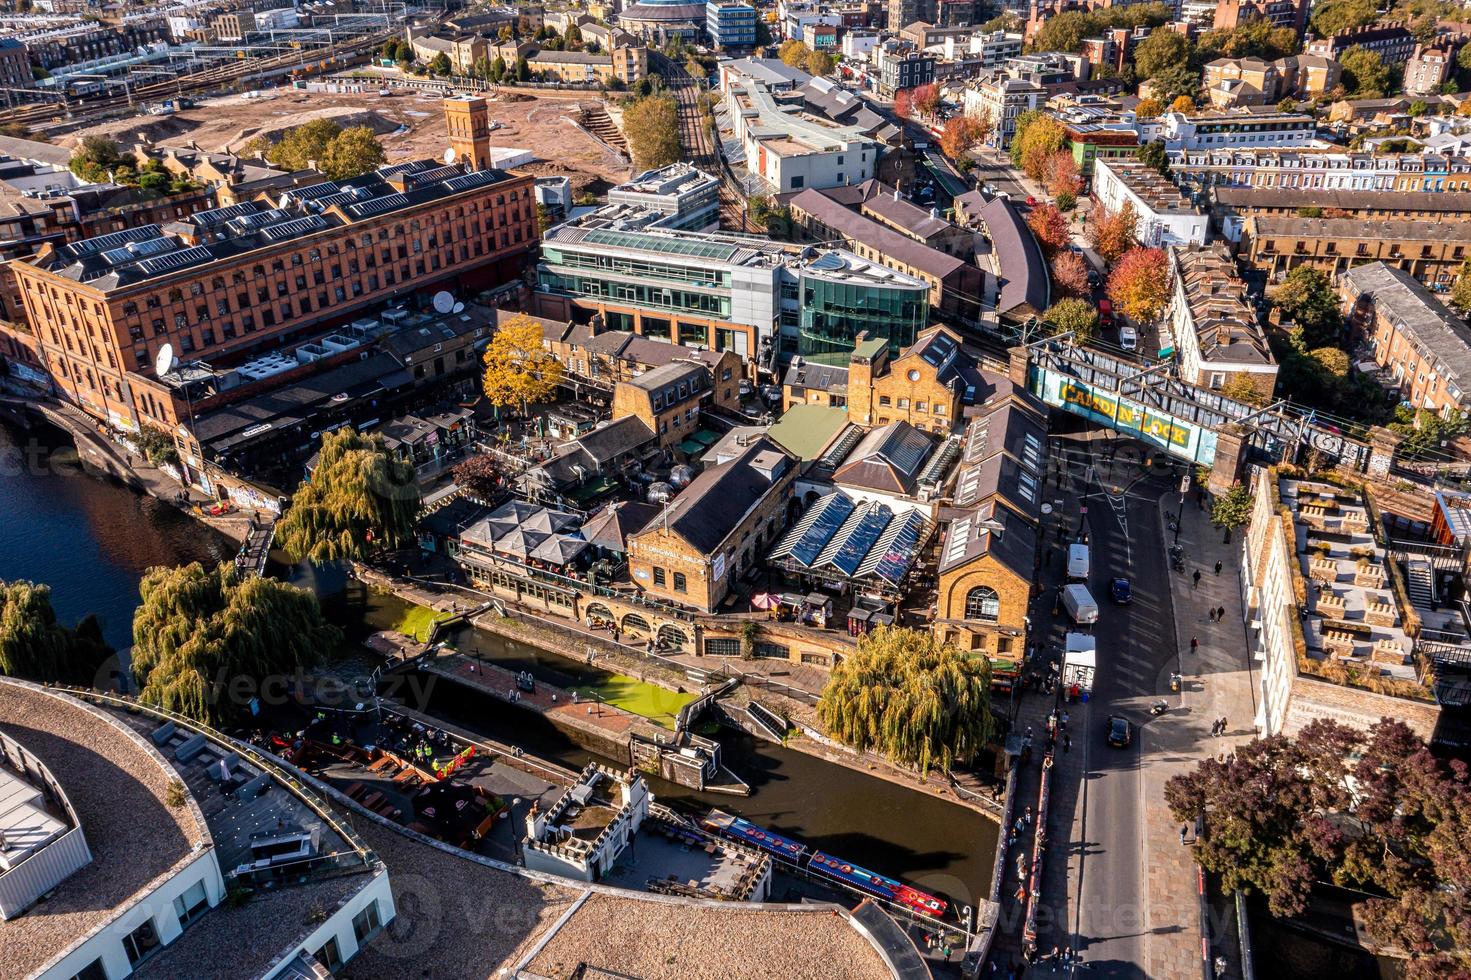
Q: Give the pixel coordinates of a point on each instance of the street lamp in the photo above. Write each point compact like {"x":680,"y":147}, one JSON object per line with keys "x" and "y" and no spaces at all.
{"x":1180,"y":516}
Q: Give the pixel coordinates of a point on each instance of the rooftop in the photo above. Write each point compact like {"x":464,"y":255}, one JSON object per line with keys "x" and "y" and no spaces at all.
{"x":1225,"y":323}
{"x":1437,"y":333}
{"x":1349,"y":229}
{"x":1293,"y":197}
{"x":116,"y":782}
{"x":717,"y":500}
{"x":806,"y":430}
{"x":857,"y":227}
{"x":1157,"y":191}
{"x":887,"y":460}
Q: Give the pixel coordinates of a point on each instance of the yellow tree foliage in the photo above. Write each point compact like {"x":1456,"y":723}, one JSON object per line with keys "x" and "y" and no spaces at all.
{"x":1043,"y":138}
{"x":1149,"y":109}
{"x":518,"y":369}
{"x":1183,"y":103}
{"x":1113,"y":233}
{"x":918,"y":701}
{"x":1140,"y":283}
{"x":651,"y":126}
{"x":359,"y":500}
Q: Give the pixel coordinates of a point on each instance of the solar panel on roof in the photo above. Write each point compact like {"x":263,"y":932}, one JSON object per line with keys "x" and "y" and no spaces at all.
{"x":139,"y":250}
{"x":479,"y":178}
{"x":218,"y":216}
{"x":258,"y":219}
{"x":176,"y":260}
{"x":669,"y":246}
{"x":312,"y":192}
{"x":102,"y":243}
{"x":378,"y":205}
{"x":859,"y":541}
{"x":296,"y":227}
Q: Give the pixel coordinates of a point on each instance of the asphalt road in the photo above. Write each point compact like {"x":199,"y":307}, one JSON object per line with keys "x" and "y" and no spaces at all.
{"x":995,"y":169}
{"x":1104,"y":916}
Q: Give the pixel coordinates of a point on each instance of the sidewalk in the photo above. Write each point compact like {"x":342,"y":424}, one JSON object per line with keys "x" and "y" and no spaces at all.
{"x":1218,"y":682}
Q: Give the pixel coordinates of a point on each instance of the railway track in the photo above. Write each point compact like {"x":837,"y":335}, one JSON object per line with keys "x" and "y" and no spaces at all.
{"x":699,"y":144}
{"x":215,"y":75}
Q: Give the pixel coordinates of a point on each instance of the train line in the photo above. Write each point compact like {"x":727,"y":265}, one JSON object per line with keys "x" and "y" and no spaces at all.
{"x":699,"y":143}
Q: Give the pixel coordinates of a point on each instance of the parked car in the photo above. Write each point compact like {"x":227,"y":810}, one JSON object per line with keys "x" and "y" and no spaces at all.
{"x":1094,"y":279}
{"x":1120,"y":732}
{"x":1105,"y":312}
{"x":1031,"y":201}
{"x":1121,"y":591}
{"x":1128,"y":337}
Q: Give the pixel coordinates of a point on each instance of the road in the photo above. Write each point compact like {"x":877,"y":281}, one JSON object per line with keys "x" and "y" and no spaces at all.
{"x":995,"y":169}
{"x":1097,"y":870}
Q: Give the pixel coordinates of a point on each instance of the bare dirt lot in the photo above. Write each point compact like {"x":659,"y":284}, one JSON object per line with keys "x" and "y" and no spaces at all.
{"x":410,"y":126}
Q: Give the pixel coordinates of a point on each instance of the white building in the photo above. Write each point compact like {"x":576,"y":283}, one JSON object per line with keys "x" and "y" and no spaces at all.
{"x":1237,"y":128}
{"x":999,"y":100}
{"x":581,"y":835}
{"x":102,"y":869}
{"x":791,"y":149}
{"x":994,"y":49}
{"x":856,"y":44}
{"x":1165,"y":216}
{"x":688,"y":198}
{"x":1213,"y":328}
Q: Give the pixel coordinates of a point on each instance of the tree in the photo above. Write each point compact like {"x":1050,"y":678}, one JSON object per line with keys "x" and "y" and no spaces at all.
{"x":481,"y":69}
{"x":1254,"y":38}
{"x":695,"y":70}
{"x":1050,"y":228}
{"x":1074,"y":315}
{"x":1176,"y":81}
{"x":1417,"y":108}
{"x":360,"y":499}
{"x":573,"y":37}
{"x":793,"y":53}
{"x":1140,"y":283}
{"x":1461,"y":290}
{"x":1424,"y":431}
{"x":1064,"y":32}
{"x":518,"y":369}
{"x":480,"y":476}
{"x":439,"y":64}
{"x":1152,"y":154}
{"x":904,"y":103}
{"x":651,"y":126}
{"x":1007,"y":22}
{"x":926,"y":99}
{"x":1060,"y":173}
{"x":207,"y":641}
{"x":1150,"y":108}
{"x":1162,"y":49}
{"x":1113,"y":234}
{"x":1069,"y":274}
{"x":304,"y":146}
{"x":498,"y":69}
{"x":96,"y":157}
{"x":960,"y":136}
{"x":820,"y":63}
{"x":1183,"y":103}
{"x":523,"y":69}
{"x":352,"y":153}
{"x":1024,"y":121}
{"x":1306,"y":298}
{"x":1232,"y":509}
{"x":1332,"y":17}
{"x":1043,"y":138}
{"x":35,"y":647}
{"x":1365,"y":75}
{"x":1243,"y":389}
{"x":920,"y":702}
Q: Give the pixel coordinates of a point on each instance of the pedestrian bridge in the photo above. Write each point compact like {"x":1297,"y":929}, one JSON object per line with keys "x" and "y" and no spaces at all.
{"x":1151,"y":404}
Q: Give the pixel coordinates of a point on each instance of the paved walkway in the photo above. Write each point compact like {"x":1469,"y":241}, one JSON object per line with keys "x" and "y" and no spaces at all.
{"x":1218,"y":682}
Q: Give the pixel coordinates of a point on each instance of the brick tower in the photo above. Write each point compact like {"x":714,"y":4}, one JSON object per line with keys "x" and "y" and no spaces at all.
{"x":468,"y":119}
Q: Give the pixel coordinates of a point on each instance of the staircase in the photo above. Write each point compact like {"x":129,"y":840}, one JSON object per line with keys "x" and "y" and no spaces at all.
{"x":1420,"y":582}
{"x":595,"y":119}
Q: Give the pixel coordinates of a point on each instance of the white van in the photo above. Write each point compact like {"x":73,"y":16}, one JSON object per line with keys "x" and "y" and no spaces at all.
{"x":1077,"y":562}
{"x":1078,"y":602}
{"x":1128,"y":337}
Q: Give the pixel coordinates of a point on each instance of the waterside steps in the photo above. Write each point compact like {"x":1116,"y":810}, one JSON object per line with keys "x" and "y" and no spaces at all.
{"x":767,"y":722}
{"x":251,"y":559}
{"x":695,"y":708}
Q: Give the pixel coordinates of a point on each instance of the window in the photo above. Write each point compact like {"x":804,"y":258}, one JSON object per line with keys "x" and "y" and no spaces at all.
{"x":366,"y":922}
{"x":191,"y":904}
{"x":679,"y":582}
{"x":884,"y":400}
{"x":140,"y":942}
{"x":659,"y":577}
{"x":329,"y":956}
{"x":983,"y":603}
{"x":92,"y":971}
{"x":1218,"y":380}
{"x":722,"y":647}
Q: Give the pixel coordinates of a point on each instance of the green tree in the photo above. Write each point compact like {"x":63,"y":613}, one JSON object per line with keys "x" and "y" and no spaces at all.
{"x":439,"y":64}
{"x":1065,"y":32}
{"x":916,"y":700}
{"x":498,"y":70}
{"x":205,"y":641}
{"x":523,"y":69}
{"x":518,"y":368}
{"x":1152,"y":154}
{"x":35,"y":647}
{"x":1424,"y":431}
{"x":481,"y":69}
{"x":359,"y":500}
{"x":1365,"y":75}
{"x":304,"y":145}
{"x":353,"y":152}
{"x":651,"y":126}
{"x":1161,"y":50}
{"x":1461,"y":291}
{"x":1243,"y":389}
{"x":1418,"y":108}
{"x":1232,"y":509}
{"x":1005,"y":21}
{"x":1306,"y":298}
{"x":96,"y":157}
{"x":573,"y":36}
{"x":1332,"y":17}
{"x":1074,"y":315}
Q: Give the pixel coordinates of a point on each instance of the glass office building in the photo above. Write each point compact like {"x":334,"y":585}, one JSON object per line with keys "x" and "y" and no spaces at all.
{"x":835,"y":306}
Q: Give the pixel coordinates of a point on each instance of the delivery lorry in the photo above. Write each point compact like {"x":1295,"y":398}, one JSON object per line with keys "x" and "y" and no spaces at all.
{"x":1077,"y":562}
{"x":1079,"y":603}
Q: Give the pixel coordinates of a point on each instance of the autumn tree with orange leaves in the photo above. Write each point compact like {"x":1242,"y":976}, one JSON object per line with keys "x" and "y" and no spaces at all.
{"x":904,"y":103}
{"x":1140,"y":283}
{"x":1050,"y":227}
{"x":1060,"y":174}
{"x":1069,"y":274}
{"x":1113,"y":234}
{"x":926,"y":100}
{"x":960,"y":134}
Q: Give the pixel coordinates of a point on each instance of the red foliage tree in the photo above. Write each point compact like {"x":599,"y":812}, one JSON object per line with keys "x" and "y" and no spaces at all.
{"x":1113,"y":234}
{"x":1060,"y":173}
{"x":960,"y":134}
{"x":904,"y":103}
{"x":480,"y":476}
{"x":926,"y":99}
{"x":1069,"y":275}
{"x":1050,"y":227}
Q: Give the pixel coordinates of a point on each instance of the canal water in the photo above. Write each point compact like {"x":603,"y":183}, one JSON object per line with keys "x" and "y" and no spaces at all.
{"x":92,"y":541}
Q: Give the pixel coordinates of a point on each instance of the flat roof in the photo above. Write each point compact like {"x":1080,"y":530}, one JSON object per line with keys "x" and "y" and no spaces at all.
{"x":806,"y":430}
{"x":1348,"y":229}
{"x":116,"y":782}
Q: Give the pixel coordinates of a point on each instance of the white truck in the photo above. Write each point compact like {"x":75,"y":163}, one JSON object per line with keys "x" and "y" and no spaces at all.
{"x":1077,"y":562}
{"x":1079,"y":603}
{"x":1079,"y":661}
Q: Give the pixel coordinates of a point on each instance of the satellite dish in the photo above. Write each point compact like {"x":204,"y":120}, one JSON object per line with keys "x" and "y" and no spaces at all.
{"x":449,"y":156}
{"x":444,"y":302}
{"x":458,"y":308}
{"x":165,"y":361}
{"x":1046,"y":509}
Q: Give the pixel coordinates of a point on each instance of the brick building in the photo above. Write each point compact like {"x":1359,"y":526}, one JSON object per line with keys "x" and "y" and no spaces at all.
{"x":925,"y":385}
{"x":1431,"y":253}
{"x":668,"y":399}
{"x":15,"y":64}
{"x":1213,"y":326}
{"x":225,"y":284}
{"x":715,"y":529}
{"x":1392,"y":42}
{"x":1232,"y":206}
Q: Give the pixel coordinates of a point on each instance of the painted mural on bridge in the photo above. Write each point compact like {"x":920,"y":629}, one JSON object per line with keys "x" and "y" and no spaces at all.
{"x":1170,"y":433}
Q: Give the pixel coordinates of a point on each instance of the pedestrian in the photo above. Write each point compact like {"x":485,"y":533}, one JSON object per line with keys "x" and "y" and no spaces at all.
{"x":1223,"y":724}
{"x":1194,"y":644}
{"x":1067,"y":955}
{"x":1210,"y":615}
{"x":1195,"y":580}
{"x":1067,"y":743}
{"x":1218,"y":566}
{"x":1064,"y":721}
{"x":1221,"y":614}
{"x":1182,"y":835}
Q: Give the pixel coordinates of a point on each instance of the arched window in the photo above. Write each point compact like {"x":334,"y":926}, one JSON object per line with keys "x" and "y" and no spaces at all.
{"x":633,"y":621}
{"x":672,"y":637}
{"x":983,"y":604}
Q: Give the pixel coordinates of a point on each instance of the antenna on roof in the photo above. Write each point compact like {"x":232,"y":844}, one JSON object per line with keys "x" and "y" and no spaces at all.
{"x":444,"y":301}
{"x":165,"y":362}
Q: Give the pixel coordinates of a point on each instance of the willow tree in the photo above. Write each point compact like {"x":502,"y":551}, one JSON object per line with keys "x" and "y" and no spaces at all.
{"x":518,"y":369}
{"x":208,"y":640}
{"x":360,"y":499}
{"x":34,"y":646}
{"x":920,"y":702}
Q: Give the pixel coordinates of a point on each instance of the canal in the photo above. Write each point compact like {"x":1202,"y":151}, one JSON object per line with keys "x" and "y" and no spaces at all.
{"x":92,"y":541}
